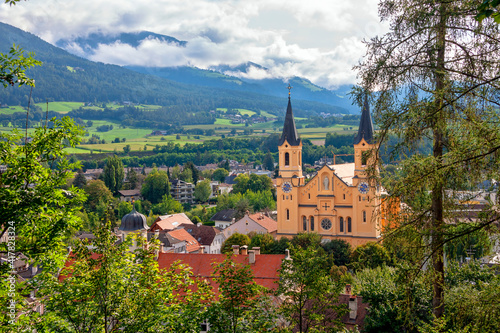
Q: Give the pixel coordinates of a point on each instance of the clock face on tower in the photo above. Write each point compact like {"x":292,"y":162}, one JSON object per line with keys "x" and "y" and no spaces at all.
{"x":326,"y":224}
{"x":286,"y":187}
{"x":363,"y":187}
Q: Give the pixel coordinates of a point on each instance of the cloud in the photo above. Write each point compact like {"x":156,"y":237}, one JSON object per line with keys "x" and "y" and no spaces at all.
{"x":319,"y":40}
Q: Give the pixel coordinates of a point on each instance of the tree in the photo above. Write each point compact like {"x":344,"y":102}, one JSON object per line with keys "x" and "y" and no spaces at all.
{"x":311,"y":294}
{"x":436,"y":77}
{"x":126,"y":149}
{"x":97,"y":192}
{"x":80,"y":181}
{"x":203,"y":190}
{"x":31,"y":195}
{"x":370,"y":255}
{"x":124,"y":207}
{"x":187,"y":175}
{"x":234,"y":239}
{"x":13,"y":66}
{"x":269,"y":162}
{"x":155,"y":186}
{"x":243,"y":306}
{"x":108,"y":288}
{"x":114,"y":174}
{"x":340,"y":250}
{"x":220,"y":175}
{"x":168,"y":205}
{"x":132,"y":178}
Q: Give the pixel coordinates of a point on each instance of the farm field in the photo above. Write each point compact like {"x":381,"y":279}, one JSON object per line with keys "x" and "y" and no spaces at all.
{"x":139,"y":139}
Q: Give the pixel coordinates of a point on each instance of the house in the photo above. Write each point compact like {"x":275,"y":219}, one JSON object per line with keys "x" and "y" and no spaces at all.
{"x":182,"y":191}
{"x":225,"y":188}
{"x":176,"y":241}
{"x":130,"y":195}
{"x":224,"y":218}
{"x":258,"y":223}
{"x":209,"y":237}
{"x":264,"y":267}
{"x":170,"y":222}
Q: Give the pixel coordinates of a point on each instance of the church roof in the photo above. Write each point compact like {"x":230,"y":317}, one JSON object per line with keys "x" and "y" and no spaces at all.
{"x":289,"y":130}
{"x":133,"y":221}
{"x":365,"y":130}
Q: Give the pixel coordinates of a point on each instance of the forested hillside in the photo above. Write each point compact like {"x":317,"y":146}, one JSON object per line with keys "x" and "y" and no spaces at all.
{"x":65,"y":77}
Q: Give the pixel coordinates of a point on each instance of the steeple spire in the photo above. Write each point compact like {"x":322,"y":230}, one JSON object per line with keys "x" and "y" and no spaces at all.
{"x":365,"y":130}
{"x":289,"y":130}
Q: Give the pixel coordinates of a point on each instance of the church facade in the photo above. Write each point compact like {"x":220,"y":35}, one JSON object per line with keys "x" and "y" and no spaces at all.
{"x":339,"y":201}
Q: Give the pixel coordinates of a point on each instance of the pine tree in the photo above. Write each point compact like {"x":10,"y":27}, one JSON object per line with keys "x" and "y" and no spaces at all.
{"x":114,"y":174}
{"x":436,"y":77}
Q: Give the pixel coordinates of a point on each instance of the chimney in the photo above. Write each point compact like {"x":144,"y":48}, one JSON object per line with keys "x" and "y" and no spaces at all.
{"x":251,"y":256}
{"x":157,"y":233}
{"x":256,"y":249}
{"x":202,"y":249}
{"x":244,"y":250}
{"x":353,"y":307}
{"x":198,"y":224}
{"x":348,"y":289}
{"x":287,"y":254}
{"x":236,"y":249}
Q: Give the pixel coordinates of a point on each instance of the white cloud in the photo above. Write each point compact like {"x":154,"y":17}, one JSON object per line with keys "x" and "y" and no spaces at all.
{"x":319,"y":40}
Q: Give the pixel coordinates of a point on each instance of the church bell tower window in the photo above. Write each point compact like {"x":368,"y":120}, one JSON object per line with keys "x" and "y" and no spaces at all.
{"x":287,"y":159}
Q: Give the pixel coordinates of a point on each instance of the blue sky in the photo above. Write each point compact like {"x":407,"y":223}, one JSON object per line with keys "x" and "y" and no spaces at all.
{"x":317,"y":39}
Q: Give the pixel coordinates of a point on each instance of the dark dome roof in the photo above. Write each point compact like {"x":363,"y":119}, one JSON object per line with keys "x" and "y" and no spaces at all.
{"x":133,"y":221}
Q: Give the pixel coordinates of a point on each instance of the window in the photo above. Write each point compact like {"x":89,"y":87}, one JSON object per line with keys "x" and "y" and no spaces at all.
{"x":311,"y":218}
{"x":309,"y":196}
{"x":349,"y":227}
{"x":287,"y":214}
{"x":364,"y":216}
{"x":344,"y":196}
{"x":341,"y":224}
{"x":304,"y":223}
{"x":359,"y":197}
{"x":287,"y":159}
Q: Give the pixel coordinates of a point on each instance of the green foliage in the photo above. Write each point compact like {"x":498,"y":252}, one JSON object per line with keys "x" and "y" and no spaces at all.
{"x":242,"y":306}
{"x":132,"y":178}
{"x":253,"y":183}
{"x":124,"y":207}
{"x":114,"y":174}
{"x":305,"y":240}
{"x":155,"y":186}
{"x":13,"y":66}
{"x":168,"y":205}
{"x":268,"y":162}
{"x":399,"y":301}
{"x":33,"y":203}
{"x":473,"y":245}
{"x":340,"y":250}
{"x":312,"y":295}
{"x":97,"y":193}
{"x":108,"y":289}
{"x":203,"y":190}
{"x":220,"y":175}
{"x":80,"y":181}
{"x":488,"y":8}
{"x":370,"y":255}
{"x":234,"y":239}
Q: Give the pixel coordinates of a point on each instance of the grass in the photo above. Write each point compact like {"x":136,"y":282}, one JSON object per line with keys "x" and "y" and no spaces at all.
{"x":60,"y":107}
{"x":12,"y":109}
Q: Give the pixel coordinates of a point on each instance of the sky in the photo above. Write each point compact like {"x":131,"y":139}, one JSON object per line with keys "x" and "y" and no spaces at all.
{"x":320,"y":40}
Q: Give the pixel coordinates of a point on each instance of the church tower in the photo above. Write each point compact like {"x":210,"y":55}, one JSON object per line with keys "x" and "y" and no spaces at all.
{"x":364,"y":143}
{"x":290,"y":173}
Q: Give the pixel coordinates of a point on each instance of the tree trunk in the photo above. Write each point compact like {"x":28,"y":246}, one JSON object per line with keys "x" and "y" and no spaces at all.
{"x":437,"y":190}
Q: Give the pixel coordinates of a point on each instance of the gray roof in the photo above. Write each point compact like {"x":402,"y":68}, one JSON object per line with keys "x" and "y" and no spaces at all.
{"x":289,"y":130}
{"x":224,"y":215}
{"x":133,"y":221}
{"x":365,"y":130}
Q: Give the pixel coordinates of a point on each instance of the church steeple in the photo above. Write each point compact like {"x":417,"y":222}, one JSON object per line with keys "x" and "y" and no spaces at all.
{"x":289,"y":130}
{"x":365,"y":130}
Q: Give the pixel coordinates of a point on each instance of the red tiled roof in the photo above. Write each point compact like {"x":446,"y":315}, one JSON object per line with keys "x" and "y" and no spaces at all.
{"x":265,"y":268}
{"x":170,"y":222}
{"x":265,"y":221}
{"x":192,"y":244}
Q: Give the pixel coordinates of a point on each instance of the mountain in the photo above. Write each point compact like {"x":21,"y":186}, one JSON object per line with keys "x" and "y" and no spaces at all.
{"x":90,"y":43}
{"x":236,"y":77}
{"x":66,"y":77}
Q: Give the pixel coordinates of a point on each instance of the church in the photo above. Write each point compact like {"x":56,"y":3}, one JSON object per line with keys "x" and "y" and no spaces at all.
{"x":339,"y":202}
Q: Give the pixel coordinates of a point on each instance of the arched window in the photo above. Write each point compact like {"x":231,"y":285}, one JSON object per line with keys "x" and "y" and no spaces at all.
{"x":287,"y":214}
{"x":304,"y":223}
{"x":349,"y":226}
{"x":311,"y":218}
{"x":309,"y":196}
{"x":359,"y":198}
{"x":344,"y":196}
{"x":287,"y":159}
{"x":364,"y":216}
{"x":341,"y":224}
